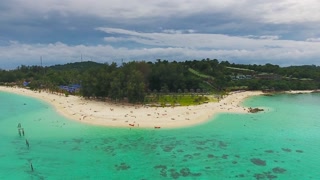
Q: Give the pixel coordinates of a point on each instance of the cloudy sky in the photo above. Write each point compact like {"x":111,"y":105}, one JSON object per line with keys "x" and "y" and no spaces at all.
{"x":283,"y":32}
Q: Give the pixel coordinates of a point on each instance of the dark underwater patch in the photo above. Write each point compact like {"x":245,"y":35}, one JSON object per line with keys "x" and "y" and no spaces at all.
{"x":269,"y":151}
{"x":122,"y":166}
{"x":258,"y":162}
{"x":265,"y":175}
{"x":174,"y":173}
{"x":286,"y":149}
{"x":278,"y":170}
{"x":210,"y":156}
{"x":225,"y":156}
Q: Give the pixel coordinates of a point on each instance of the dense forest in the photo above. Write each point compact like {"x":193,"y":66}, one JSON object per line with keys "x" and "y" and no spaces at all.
{"x":134,"y":81}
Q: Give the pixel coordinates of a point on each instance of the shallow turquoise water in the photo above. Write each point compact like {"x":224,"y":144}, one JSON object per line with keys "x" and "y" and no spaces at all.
{"x":280,"y":143}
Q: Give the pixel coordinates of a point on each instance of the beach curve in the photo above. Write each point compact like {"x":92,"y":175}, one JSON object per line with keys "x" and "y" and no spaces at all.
{"x":118,"y":115}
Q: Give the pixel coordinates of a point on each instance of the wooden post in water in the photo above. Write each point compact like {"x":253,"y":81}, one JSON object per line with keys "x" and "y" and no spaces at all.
{"x":31,"y":166}
{"x":27,"y":143}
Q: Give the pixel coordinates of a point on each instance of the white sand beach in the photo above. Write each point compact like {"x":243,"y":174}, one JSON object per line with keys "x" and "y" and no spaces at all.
{"x":300,"y":92}
{"x":135,"y":116}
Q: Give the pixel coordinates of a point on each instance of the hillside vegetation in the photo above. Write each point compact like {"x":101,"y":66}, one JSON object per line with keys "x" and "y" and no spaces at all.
{"x":140,"y":81}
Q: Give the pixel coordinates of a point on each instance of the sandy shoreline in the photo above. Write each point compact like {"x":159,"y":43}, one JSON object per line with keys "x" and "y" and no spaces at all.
{"x":117,"y":115}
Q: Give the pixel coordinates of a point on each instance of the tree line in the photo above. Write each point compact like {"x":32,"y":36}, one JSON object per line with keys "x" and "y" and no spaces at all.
{"x":135,"y":80}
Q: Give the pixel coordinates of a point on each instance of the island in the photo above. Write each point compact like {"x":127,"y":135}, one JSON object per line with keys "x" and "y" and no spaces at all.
{"x":157,"y":94}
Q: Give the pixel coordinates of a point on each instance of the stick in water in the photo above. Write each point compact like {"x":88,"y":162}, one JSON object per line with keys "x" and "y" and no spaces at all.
{"x":27,"y":143}
{"x":31,"y":166}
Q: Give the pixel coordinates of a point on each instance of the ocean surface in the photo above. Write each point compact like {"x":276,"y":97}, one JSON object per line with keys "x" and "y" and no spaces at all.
{"x":283,"y":142}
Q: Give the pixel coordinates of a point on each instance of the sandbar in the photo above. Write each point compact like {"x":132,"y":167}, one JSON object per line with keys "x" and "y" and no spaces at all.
{"x":136,"y":116}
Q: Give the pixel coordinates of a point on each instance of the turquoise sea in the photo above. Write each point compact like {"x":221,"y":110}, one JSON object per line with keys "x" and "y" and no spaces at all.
{"x":282,"y":142}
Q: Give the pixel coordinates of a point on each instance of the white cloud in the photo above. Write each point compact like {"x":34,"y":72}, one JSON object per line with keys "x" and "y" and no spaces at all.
{"x":313,"y":39}
{"x":289,"y":11}
{"x":169,"y":38}
{"x":272,"y":11}
{"x":270,"y":37}
{"x":179,"y":46}
{"x":173,"y":31}
{"x":208,"y":41}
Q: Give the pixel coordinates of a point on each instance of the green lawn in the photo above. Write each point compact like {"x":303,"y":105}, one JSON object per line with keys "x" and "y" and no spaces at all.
{"x":200,"y":74}
{"x":240,"y":69}
{"x":175,"y":100}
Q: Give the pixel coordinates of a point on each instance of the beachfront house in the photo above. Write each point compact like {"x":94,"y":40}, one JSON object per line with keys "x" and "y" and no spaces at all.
{"x":25,"y":83}
{"x":72,"y":88}
{"x":241,"y":77}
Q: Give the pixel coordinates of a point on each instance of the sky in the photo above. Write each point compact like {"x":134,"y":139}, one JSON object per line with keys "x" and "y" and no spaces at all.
{"x":282,"y":32}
